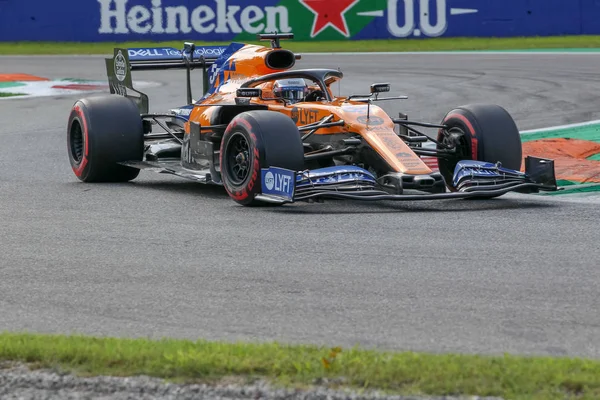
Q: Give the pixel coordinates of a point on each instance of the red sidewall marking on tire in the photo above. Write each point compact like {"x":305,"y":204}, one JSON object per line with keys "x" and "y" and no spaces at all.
{"x":256,"y":169}
{"x":466,"y":121}
{"x":231,"y":125}
{"x":246,"y":124}
{"x":244,"y":193}
{"x":79,"y":170}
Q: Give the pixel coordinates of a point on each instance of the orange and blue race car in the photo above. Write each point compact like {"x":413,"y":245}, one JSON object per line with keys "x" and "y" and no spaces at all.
{"x":271,"y":133}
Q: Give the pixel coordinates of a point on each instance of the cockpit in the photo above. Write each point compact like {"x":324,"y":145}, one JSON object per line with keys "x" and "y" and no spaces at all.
{"x":296,"y":86}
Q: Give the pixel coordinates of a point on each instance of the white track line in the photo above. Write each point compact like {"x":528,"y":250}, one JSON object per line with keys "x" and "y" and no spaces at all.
{"x":561,"y":127}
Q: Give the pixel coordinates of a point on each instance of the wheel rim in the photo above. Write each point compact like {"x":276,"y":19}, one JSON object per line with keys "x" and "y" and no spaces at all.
{"x":238,"y":159}
{"x":77,"y":142}
{"x":455,"y":136}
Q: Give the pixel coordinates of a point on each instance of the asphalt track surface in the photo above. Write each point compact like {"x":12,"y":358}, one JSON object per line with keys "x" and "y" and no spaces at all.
{"x":166,"y":257}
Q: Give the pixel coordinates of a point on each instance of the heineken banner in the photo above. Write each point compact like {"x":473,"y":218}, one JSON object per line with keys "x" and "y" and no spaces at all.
{"x":240,"y":20}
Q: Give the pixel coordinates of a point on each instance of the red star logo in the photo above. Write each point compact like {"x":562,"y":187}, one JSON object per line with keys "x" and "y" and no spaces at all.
{"x":329,"y":13}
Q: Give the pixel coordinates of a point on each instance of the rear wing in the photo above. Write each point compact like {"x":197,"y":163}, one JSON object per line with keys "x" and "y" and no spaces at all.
{"x":124,"y":61}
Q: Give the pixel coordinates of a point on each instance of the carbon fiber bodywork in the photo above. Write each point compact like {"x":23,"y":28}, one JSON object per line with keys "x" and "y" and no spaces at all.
{"x":477,"y":180}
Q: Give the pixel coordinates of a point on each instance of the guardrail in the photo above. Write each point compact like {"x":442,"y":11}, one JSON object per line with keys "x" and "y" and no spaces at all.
{"x":229,"y":20}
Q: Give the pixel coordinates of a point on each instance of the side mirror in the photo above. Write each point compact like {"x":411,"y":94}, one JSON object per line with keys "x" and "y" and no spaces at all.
{"x":380,"y":87}
{"x":249,"y":92}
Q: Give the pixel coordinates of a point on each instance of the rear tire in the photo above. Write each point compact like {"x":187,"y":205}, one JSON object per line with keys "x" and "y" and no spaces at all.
{"x":255,"y":140}
{"x":101,"y":132}
{"x":482,"y":132}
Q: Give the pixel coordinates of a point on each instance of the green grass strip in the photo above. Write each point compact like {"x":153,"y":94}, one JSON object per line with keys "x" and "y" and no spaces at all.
{"x":574,"y":188}
{"x":586,"y":132}
{"x":595,"y":157}
{"x":4,"y":85}
{"x":574,"y":43}
{"x":4,"y":94}
{"x":508,"y":376}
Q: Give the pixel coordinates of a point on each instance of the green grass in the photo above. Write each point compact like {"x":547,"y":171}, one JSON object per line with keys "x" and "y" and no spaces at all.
{"x":507,"y":376}
{"x":3,"y":94}
{"x":435,"y":44}
{"x":569,"y":187}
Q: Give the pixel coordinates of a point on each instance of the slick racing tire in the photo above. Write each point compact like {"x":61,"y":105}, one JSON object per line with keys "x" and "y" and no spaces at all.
{"x":101,"y":132}
{"x":254,"y":140}
{"x":481,"y":132}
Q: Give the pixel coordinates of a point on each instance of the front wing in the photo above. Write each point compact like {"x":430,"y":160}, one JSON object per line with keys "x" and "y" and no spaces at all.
{"x":472,"y":179}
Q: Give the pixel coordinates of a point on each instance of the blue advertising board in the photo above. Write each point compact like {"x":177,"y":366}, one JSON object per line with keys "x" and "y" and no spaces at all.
{"x":237,"y":20}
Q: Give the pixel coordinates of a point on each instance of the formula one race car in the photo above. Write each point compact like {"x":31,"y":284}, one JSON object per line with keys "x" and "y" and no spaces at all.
{"x":272,"y":134}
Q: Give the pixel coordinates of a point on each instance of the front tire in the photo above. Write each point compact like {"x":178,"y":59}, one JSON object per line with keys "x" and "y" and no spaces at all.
{"x":255,"y":140}
{"x":481,"y":132}
{"x":103,"y":131}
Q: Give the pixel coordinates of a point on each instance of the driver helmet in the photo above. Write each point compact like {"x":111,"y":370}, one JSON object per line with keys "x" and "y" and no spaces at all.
{"x":292,"y":90}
